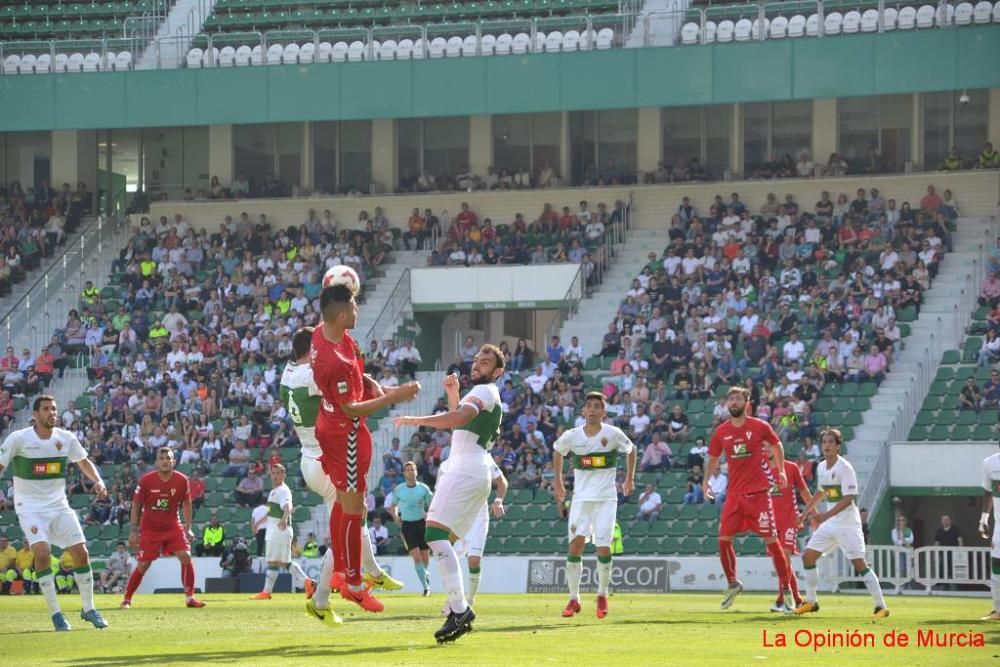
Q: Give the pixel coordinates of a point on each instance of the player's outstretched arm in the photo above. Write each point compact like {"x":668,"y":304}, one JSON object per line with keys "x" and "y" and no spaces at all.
{"x":372,"y":388}
{"x":710,"y":465}
{"x":88,"y":468}
{"x":497,"y":507}
{"x":452,"y":419}
{"x":401,"y":394}
{"x":558,"y":490}
{"x":984,"y":518}
{"x":451,"y":388}
{"x":628,"y":486}
{"x":134,"y":514}
{"x":811,"y":505}
{"x":187,"y":513}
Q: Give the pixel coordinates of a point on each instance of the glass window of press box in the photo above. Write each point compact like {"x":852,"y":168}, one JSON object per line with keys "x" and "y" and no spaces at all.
{"x":696,"y":133}
{"x":603,"y":146}
{"x":775,"y":131}
{"x":439,"y":146}
{"x":949,"y":122}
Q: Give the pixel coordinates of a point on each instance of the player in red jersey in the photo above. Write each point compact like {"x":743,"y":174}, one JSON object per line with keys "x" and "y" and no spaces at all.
{"x":348,"y":397}
{"x":786,"y":516}
{"x":748,"y":443}
{"x":157,"y":498}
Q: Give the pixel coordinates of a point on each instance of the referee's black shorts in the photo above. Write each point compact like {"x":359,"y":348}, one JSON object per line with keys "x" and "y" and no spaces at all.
{"x":413,"y":535}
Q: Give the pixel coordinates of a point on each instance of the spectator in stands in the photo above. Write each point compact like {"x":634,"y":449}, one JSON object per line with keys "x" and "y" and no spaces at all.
{"x":656,"y":456}
{"x":117,"y":568}
{"x":989,"y":292}
{"x":988,"y":158}
{"x":990,"y":350}
{"x":694,"y":495}
{"x":970,"y":397}
{"x":902,"y":536}
{"x":952,"y":161}
{"x":239,"y":460}
{"x":991,"y":390}
{"x":718,"y":483}
{"x":250,"y":490}
{"x":947,"y":536}
{"x":213,"y":538}
{"x":931,"y":202}
{"x":379,"y":536}
{"x":650,"y":502}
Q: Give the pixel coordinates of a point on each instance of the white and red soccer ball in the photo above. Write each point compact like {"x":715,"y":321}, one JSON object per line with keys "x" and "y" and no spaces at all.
{"x":342,"y":275}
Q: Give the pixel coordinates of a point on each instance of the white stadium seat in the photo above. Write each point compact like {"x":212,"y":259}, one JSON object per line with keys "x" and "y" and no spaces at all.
{"x":43,"y":63}
{"x":242,"y":56}
{"x":869,"y":21}
{"x":290,"y":54}
{"x":324,"y":52}
{"x":74,"y":63}
{"x":689,"y":33}
{"x":553,"y":41}
{"x":123,"y":61}
{"x":59,"y":64}
{"x":982,"y":12}
{"x":890,"y":18}
{"x":371,"y":53}
{"x":724,"y":33}
{"x":436,"y":47}
{"x":711,"y":30}
{"x":504,"y":44}
{"x":588,"y":39}
{"x":538,"y":46}
{"x":108,"y":61}
{"x":274,"y":54}
{"x":996,"y":12}
{"x":211,"y":57}
{"x":812,"y":25}
{"x":832,"y":23}
{"x":194,"y":58}
{"x":571,"y":40}
{"x":307,"y":53}
{"x":741,"y":31}
{"x":11,"y":63}
{"x":257,"y":55}
{"x":852,"y":22}
{"x":779,"y":27}
{"x":419,"y":51}
{"x":796,"y":26}
{"x":470,"y":46}
{"x":356,"y":52}
{"x":925,"y":16}
{"x":338,"y":53}
{"x":488,"y":45}
{"x":520,"y":44}
{"x":92,"y":62}
{"x":453,"y":48}
{"x":404,"y":50}
{"x":605,"y":38}
{"x":227,"y":55}
{"x":387,"y":51}
{"x":27,"y":64}
{"x":945,"y":15}
{"x":755,"y":30}
{"x":907,"y":18}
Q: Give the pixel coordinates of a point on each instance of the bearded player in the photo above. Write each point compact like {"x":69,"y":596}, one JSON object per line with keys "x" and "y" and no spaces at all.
{"x":156,"y":529}
{"x":301,"y":397}
{"x":746,"y":441}
{"x":344,"y":439}
{"x":786,"y":515}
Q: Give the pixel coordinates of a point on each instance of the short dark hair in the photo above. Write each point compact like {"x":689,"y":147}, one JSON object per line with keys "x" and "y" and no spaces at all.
{"x":490,"y":348}
{"x":163,"y":449}
{"x":736,"y":389}
{"x":595,"y":396}
{"x":835,"y":432}
{"x":334,"y":296}
{"x":41,"y":398}
{"x":120,"y":544}
{"x":302,"y":341}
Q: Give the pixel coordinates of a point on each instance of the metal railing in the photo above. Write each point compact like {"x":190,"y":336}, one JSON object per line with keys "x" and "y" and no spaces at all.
{"x":398,"y":300}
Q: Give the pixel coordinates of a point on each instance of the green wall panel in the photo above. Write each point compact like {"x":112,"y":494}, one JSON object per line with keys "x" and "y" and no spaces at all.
{"x":537,"y":74}
{"x":752,"y":72}
{"x":674,"y":77}
{"x":844,"y":66}
{"x":826,"y":67}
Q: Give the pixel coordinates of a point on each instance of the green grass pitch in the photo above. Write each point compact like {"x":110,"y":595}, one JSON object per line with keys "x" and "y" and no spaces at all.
{"x":674,"y":629}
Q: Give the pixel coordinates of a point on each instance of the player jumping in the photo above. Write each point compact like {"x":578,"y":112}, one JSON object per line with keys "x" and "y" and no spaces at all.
{"x":838,"y":526}
{"x":473,"y":544}
{"x":156,"y":530}
{"x":746,"y":442}
{"x":38,"y":457}
{"x":410,"y":501}
{"x":595,"y":447}
{"x":991,"y":500}
{"x":301,"y":398}
{"x":278,"y":534}
{"x":462,"y":493}
{"x":786,"y":514}
{"x":343,"y":436}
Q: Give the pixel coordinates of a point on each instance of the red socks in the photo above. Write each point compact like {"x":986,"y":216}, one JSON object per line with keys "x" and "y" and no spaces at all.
{"x":352,"y":526}
{"x":337,"y":537}
{"x":780,"y":564}
{"x":133,"y":583}
{"x":793,"y":583}
{"x":727,"y":554}
{"x":187,"y":578}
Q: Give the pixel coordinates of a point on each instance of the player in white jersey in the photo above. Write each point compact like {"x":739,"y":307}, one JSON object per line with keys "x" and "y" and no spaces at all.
{"x":473,"y":544}
{"x":839,"y":525}
{"x":39,"y":457}
{"x":278,"y":533}
{"x":461,"y":494}
{"x":301,"y":397}
{"x":991,"y":501}
{"x":595,"y":447}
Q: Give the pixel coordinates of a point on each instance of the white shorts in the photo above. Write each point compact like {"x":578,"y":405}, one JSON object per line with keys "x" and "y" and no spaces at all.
{"x":474,"y":542}
{"x":59,"y":527}
{"x":593,"y":520}
{"x":278,"y":546}
{"x":317,"y":480}
{"x":995,"y":550}
{"x":459,"y":498}
{"x":831,"y":535}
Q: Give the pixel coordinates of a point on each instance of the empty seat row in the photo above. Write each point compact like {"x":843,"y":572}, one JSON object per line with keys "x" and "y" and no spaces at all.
{"x":62,"y":62}
{"x":835,"y":23}
{"x":404,"y":49}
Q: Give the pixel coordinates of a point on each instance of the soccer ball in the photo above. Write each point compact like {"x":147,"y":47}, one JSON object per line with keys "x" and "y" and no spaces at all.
{"x":342,"y":275}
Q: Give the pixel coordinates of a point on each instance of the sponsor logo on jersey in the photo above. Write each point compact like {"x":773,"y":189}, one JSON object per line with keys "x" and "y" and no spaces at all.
{"x":592,"y":461}
{"x":49,"y":468}
{"x":728,"y":437}
{"x":749,"y":434}
{"x":740,"y":450}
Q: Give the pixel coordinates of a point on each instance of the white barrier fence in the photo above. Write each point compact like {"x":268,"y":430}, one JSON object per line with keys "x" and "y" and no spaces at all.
{"x":921,"y":568}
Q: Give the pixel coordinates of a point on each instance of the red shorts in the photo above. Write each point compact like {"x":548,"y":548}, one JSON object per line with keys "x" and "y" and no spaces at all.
{"x":788,"y":532}
{"x":156,"y":543}
{"x":749,"y":513}
{"x":347,"y":452}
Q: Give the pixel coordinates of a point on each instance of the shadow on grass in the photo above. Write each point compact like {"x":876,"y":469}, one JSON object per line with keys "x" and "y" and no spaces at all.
{"x":296,"y":654}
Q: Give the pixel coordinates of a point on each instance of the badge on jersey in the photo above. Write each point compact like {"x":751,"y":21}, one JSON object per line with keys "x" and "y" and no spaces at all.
{"x":58,"y":445}
{"x":341,"y":387}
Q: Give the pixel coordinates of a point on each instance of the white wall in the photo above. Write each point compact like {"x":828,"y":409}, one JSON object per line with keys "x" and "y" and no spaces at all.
{"x":930,"y":464}
{"x":475,"y":286}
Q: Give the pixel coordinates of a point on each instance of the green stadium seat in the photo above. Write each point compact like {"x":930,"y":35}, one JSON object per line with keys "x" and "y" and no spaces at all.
{"x":963,"y":373}
{"x":961,"y":432}
{"x":945,"y":418}
{"x":951,"y":357}
{"x":940,"y":432}
{"x":868,"y":389}
{"x":690,"y":546}
{"x":966,"y":418}
{"x":983,"y":432}
{"x":938,"y":388}
{"x":919,"y":433}
{"x":669,"y":545}
{"x":988,"y":417}
{"x":849,"y":389}
{"x":531,"y":545}
{"x":925,"y":418}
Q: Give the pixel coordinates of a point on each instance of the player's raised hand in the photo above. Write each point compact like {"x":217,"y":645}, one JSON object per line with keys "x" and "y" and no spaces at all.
{"x":451,"y":383}
{"x":397,"y":422}
{"x":408,"y":391}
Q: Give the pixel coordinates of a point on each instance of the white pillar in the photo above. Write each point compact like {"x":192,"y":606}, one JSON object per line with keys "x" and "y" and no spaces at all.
{"x":384,"y":154}
{"x":650,"y":139}
{"x":736,"y":139}
{"x":306,"y":159}
{"x":74,"y":158}
{"x":565,"y":152}
{"x":916,"y":132}
{"x":824,"y":129}
{"x":480,"y":144}
{"x":221,"y":153}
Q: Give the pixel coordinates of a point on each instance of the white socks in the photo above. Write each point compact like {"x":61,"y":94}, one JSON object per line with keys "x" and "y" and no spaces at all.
{"x":603,"y":575}
{"x":873,"y":586}
{"x":296,"y":570}
{"x":474,"y":582}
{"x":47,"y":583}
{"x":451,"y":574}
{"x":85,"y":582}
{"x":322,"y":595}
{"x":272,"y":576}
{"x":368,"y":563}
{"x":812,"y":583}
{"x":574,"y":571}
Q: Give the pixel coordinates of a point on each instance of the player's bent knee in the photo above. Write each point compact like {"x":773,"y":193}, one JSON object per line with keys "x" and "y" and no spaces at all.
{"x":434,"y":533}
